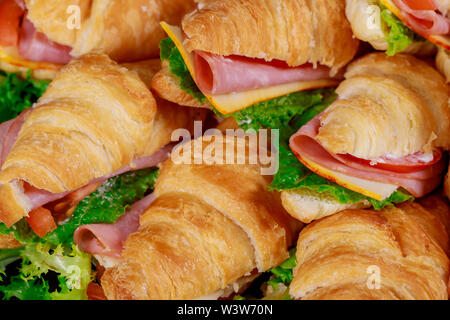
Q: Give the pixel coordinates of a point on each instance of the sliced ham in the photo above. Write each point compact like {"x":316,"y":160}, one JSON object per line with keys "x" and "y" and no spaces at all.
{"x":418,"y":182}
{"x":425,"y":22}
{"x":107,"y":239}
{"x":36,"y":46}
{"x":216,"y":74}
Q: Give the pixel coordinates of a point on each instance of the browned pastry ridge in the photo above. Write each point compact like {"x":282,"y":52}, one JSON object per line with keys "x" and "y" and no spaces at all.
{"x":294,"y":31}
{"x":405,"y":247}
{"x":209,"y":227}
{"x":94,"y":119}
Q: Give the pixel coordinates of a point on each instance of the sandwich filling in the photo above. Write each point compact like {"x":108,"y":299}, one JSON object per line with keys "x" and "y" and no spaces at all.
{"x":426,"y":17}
{"x":419,"y":174}
{"x":233,"y":83}
{"x":19,"y":38}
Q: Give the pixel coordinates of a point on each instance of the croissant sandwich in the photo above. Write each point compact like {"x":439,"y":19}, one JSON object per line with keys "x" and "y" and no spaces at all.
{"x":394,"y":254}
{"x":283,"y":47}
{"x":43,"y":35}
{"x":95,"y":121}
{"x":384,"y":137}
{"x":376,"y":22}
{"x":203,"y":234}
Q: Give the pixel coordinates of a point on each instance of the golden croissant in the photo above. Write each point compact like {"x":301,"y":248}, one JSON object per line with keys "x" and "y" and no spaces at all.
{"x":294,"y":31}
{"x":390,"y":112}
{"x":396,"y":253}
{"x":210,"y":226}
{"x":94,"y":121}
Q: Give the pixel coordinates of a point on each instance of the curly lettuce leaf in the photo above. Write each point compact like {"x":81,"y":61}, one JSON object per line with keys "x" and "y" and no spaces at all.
{"x":72,"y":267}
{"x":107,"y":203}
{"x":55,"y":256}
{"x":281,"y":278}
{"x":17,"y":94}
{"x":169,"y":52}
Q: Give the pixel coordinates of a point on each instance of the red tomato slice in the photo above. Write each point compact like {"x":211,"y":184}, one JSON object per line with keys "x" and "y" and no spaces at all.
{"x":421,"y":4}
{"x":10,"y":15}
{"x":95,"y":292}
{"x":41,"y":221}
{"x":408,"y":164}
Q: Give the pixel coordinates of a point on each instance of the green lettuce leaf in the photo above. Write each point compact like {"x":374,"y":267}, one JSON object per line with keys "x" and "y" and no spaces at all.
{"x":280,"y":279}
{"x":397,"y":34}
{"x":106,"y":204}
{"x":55,"y":255}
{"x":284,"y":272}
{"x":17,"y":94}
{"x":170,"y":53}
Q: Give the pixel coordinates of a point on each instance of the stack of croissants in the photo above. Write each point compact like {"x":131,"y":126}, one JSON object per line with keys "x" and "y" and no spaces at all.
{"x":213,"y":227}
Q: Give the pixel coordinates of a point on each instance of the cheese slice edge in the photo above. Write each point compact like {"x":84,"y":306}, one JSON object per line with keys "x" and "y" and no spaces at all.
{"x":372,"y":189}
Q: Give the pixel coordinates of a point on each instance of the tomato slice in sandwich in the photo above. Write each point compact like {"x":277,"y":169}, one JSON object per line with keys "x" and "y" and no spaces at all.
{"x":10,"y":15}
{"x":41,"y":221}
{"x":421,"y":4}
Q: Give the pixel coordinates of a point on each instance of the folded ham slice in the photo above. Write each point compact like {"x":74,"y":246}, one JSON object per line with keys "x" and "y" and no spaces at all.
{"x":107,"y":239}
{"x":425,"y":22}
{"x":418,"y":182}
{"x":36,"y":46}
{"x":216,"y":74}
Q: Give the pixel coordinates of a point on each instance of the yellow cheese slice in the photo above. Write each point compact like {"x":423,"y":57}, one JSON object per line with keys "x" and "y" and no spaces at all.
{"x":232,"y":102}
{"x":443,"y":41}
{"x":372,"y":189}
{"x":11,"y":56}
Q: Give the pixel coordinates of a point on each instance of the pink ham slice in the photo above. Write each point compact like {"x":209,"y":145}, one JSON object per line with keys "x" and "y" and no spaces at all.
{"x":425,"y":22}
{"x":216,"y":74}
{"x":418,"y":183}
{"x":39,"y":198}
{"x":36,"y":46}
{"x":108,"y":239}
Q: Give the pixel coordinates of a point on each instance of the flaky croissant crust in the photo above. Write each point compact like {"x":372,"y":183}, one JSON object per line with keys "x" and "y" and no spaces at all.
{"x":337,"y":255}
{"x":209,"y":226}
{"x":294,"y":31}
{"x":388,"y":106}
{"x":94,"y":118}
